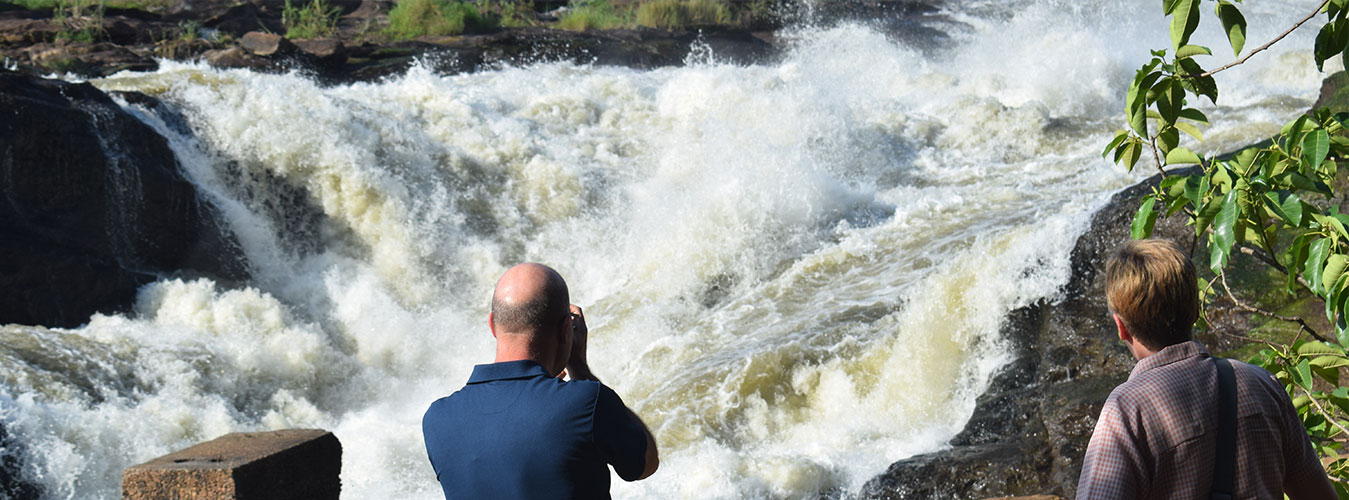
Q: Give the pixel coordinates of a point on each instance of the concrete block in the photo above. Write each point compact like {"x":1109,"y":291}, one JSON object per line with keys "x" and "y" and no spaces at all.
{"x":285,"y":464}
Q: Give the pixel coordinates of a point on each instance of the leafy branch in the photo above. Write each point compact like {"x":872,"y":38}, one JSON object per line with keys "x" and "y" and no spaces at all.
{"x":1276,"y":39}
{"x":1276,"y":203}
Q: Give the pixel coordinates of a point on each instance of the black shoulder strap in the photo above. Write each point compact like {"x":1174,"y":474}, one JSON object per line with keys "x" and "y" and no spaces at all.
{"x":1224,"y":465}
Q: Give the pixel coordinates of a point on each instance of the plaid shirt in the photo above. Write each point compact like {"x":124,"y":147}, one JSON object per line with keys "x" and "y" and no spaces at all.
{"x":1157,"y":432}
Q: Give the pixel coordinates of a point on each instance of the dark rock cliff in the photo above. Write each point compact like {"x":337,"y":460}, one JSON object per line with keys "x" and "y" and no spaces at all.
{"x":93,"y":205}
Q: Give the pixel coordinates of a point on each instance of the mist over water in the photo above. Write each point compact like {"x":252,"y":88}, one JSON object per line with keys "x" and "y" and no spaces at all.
{"x":795,"y":272}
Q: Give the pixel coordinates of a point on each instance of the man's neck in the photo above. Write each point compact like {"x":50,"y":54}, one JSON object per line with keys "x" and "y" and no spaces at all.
{"x":1140,"y":351}
{"x":507,"y":352}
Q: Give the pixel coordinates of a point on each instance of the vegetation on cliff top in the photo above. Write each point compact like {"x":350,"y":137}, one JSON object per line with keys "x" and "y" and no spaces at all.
{"x":1278,"y":203}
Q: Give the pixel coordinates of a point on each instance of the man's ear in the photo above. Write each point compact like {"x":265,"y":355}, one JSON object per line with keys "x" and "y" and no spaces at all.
{"x":1123,"y":329}
{"x":492,"y":324}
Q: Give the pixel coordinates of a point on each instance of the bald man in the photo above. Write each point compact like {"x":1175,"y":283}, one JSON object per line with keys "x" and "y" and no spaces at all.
{"x":518,"y":429}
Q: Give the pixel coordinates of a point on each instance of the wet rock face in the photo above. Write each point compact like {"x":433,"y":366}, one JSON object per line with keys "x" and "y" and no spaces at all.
{"x":1030,"y":430}
{"x":92,"y":206}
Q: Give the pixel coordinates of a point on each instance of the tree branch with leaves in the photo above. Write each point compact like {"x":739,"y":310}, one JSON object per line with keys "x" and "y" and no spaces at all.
{"x":1278,"y":201}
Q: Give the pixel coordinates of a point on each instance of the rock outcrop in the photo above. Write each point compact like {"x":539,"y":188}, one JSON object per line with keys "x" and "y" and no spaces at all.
{"x":1030,"y":429}
{"x":94,"y":206}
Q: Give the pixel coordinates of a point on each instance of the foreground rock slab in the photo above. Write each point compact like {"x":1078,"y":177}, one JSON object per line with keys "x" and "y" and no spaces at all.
{"x":292,"y":463}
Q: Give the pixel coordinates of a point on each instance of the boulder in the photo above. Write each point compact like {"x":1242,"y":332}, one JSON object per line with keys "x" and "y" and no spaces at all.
{"x":23,"y":30}
{"x":234,"y":57}
{"x":95,"y":206}
{"x":266,"y":44}
{"x":327,"y":52}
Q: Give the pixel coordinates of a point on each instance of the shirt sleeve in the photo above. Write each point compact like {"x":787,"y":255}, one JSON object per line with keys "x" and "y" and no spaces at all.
{"x":1112,"y":465}
{"x":619,"y":436}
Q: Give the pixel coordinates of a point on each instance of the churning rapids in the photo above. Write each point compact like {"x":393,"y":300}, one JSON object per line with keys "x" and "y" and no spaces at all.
{"x":795,"y":271}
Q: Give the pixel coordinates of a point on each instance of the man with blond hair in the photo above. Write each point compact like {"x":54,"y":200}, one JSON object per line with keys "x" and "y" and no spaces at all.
{"x":1162,"y":433}
{"x":518,"y":429}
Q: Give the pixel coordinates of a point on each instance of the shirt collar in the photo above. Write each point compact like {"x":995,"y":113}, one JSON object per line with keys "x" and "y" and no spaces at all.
{"x":1169,"y":354}
{"x":506,"y":370}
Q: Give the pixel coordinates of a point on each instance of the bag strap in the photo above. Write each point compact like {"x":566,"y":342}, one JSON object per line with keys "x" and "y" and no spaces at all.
{"x":1224,"y":464}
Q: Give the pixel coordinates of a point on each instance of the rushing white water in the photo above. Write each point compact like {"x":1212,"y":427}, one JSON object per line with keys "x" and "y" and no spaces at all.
{"x":794,"y":272}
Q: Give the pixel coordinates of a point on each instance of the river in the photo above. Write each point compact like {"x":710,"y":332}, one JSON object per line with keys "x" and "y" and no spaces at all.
{"x":794,"y":271}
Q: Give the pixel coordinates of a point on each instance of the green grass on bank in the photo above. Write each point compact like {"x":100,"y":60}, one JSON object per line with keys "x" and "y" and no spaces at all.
{"x":145,"y":5}
{"x":673,"y":14}
{"x":414,"y":18}
{"x":594,"y":15}
{"x":317,"y":19}
{"x":660,"y":14}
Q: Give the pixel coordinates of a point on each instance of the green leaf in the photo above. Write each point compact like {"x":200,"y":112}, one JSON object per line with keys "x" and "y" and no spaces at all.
{"x":1330,"y":361}
{"x":1246,"y":156}
{"x":1331,"y":375}
{"x":1234,"y":24}
{"x":1303,"y":375}
{"x":1136,"y":101}
{"x":1176,"y":203}
{"x":1342,"y":118}
{"x":1206,"y":215}
{"x":1302,"y":182}
{"x":1301,"y":402}
{"x":1315,"y":146}
{"x":1222,"y":180}
{"x":1192,"y":130}
{"x":1129,"y":154}
{"x":1168,"y":6}
{"x":1318,"y":348}
{"x":1224,"y":235}
{"x":1286,"y":205}
{"x":1334,"y":268}
{"x":1324,"y":46}
{"x":1338,"y":225}
{"x":1170,"y":100}
{"x":1192,"y":50}
{"x":1181,"y":156}
{"x":1202,"y":85}
{"x":1120,"y":136}
{"x":1167,"y":138}
{"x":1296,"y":256}
{"x":1184,"y":20}
{"x":1198,"y":117}
{"x":1144,"y":219}
{"x":1192,"y":184}
{"x":1291,"y":133}
{"x":1316,"y":258}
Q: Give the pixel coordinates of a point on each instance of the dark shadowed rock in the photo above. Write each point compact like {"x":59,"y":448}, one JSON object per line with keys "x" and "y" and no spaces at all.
{"x":94,"y":205}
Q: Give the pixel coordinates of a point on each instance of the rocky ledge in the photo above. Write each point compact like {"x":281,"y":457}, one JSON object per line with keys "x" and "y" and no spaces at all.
{"x":231,"y":34}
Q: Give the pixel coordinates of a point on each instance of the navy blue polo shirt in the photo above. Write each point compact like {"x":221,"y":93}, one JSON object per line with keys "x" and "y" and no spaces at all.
{"x":516,"y":433}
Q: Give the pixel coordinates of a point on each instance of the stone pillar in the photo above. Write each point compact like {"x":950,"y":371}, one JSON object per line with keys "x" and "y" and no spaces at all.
{"x":285,"y":464}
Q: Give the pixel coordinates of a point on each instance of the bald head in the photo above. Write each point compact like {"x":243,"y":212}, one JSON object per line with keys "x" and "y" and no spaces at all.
{"x":528,"y":299}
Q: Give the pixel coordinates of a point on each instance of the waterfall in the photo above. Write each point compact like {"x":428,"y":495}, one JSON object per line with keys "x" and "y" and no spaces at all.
{"x":795,"y":271}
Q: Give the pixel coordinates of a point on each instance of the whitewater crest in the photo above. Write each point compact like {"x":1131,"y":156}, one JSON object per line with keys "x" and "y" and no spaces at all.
{"x":795,"y":272}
